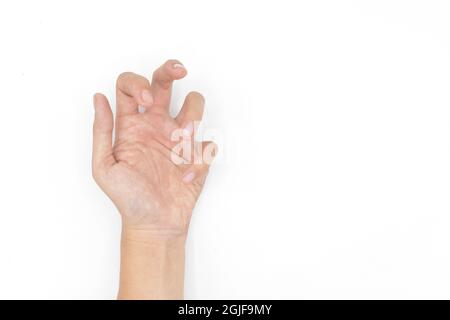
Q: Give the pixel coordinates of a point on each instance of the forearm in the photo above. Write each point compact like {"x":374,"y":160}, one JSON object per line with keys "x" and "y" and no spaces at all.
{"x":151,"y":267}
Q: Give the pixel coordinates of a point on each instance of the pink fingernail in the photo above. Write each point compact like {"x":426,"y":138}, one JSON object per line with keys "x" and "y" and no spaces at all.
{"x":189,"y":177}
{"x":147,"y":96}
{"x":141,"y":109}
{"x":178,"y":65}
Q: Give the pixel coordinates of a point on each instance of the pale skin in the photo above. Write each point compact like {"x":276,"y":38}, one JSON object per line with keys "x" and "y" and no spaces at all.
{"x":153,"y":184}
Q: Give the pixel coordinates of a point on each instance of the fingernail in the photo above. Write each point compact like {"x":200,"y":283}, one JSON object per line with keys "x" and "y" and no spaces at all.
{"x":189,"y":177}
{"x":147,"y":96}
{"x":141,"y":109}
{"x":178,"y":65}
{"x":188,"y":129}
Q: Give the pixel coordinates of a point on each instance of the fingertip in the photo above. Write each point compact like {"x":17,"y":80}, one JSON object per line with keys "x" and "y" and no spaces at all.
{"x":99,"y":100}
{"x":179,"y":74}
{"x":177,"y":68}
{"x":95,"y":99}
{"x":103,"y":114}
{"x":195,"y":97}
{"x":164,"y":76}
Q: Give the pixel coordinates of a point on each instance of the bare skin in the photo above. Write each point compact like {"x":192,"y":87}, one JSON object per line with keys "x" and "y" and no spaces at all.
{"x":153,"y":183}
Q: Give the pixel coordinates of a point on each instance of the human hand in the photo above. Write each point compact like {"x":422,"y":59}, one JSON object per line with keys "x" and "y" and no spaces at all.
{"x":141,"y":172}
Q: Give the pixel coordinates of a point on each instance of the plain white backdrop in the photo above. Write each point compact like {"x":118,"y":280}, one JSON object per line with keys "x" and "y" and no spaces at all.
{"x":333,"y":121}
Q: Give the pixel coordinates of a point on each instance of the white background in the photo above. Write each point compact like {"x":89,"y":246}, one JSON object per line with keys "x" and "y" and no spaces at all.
{"x":333,"y":120}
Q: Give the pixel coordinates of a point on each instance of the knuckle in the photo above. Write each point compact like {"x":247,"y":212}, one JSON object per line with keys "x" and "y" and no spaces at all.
{"x":161,"y":77}
{"x":158,"y":73}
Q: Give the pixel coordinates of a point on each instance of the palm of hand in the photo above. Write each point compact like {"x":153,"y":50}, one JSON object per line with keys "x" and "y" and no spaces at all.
{"x":138,"y":173}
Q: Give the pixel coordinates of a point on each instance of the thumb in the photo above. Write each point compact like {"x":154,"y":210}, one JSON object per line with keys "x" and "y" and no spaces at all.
{"x":102,"y":156}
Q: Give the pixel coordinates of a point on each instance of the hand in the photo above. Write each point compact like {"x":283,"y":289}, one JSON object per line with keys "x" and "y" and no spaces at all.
{"x":141,"y":172}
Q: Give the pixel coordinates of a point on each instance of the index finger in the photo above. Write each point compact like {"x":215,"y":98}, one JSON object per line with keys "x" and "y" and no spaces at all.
{"x":132,"y":90}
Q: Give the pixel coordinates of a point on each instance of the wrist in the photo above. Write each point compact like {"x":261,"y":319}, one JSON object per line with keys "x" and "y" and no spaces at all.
{"x":168,"y":226}
{"x":152,"y":266}
{"x":165,"y":239}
